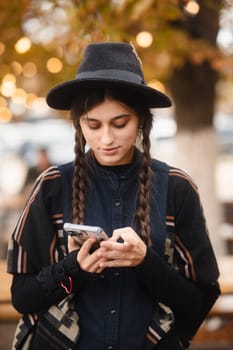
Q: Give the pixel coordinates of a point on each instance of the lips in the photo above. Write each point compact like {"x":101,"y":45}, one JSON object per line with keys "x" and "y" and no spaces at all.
{"x":109,"y":151}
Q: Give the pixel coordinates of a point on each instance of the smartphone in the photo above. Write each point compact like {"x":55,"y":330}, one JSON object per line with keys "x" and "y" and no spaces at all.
{"x":82,"y":232}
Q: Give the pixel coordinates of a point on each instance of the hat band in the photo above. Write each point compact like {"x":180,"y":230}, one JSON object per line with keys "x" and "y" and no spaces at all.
{"x":113,"y":74}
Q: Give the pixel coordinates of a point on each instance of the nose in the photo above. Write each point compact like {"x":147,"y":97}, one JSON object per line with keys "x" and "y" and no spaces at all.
{"x":107,"y":136}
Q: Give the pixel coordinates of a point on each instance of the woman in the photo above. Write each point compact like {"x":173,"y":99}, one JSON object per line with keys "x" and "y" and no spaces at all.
{"x":152,"y":283}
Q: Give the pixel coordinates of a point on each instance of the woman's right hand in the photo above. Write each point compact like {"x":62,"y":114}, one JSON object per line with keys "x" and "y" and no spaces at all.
{"x":89,"y":262}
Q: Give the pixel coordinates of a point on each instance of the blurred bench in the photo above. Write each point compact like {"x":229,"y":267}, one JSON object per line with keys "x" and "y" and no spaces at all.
{"x":7,"y":312}
{"x":227,"y":228}
{"x":216,"y":332}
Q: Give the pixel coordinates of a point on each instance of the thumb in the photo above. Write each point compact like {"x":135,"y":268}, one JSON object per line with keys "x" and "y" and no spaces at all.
{"x":73,"y":244}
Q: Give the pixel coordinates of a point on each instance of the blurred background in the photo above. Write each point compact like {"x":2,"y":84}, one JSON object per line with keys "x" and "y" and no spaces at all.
{"x":186,"y":47}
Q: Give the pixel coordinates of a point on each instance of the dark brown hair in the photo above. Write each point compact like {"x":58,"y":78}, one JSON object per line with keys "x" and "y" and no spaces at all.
{"x":86,"y":101}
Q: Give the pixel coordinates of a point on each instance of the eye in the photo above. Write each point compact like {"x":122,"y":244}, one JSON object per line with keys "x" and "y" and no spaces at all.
{"x":120,"y":125}
{"x":93,"y":124}
{"x":121,"y":121}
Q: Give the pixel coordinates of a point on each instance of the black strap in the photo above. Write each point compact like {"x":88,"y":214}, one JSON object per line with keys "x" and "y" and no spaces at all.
{"x":67,"y":172}
{"x":159,"y":191}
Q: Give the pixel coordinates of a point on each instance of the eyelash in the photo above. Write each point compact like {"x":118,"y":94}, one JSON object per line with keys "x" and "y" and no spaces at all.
{"x":121,"y":126}
{"x":93,"y":127}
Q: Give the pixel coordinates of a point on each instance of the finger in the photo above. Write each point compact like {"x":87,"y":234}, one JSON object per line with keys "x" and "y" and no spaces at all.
{"x":125,"y":234}
{"x":115,"y":255}
{"x":116,"y":263}
{"x":117,"y":233}
{"x":94,"y":267}
{"x":85,"y":249}
{"x":115,"y":246}
{"x":97,"y":268}
{"x":129,"y":235}
{"x":92,"y":264}
{"x":115,"y":236}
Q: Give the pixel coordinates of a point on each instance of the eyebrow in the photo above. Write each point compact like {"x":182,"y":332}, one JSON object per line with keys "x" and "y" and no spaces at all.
{"x":112,"y":119}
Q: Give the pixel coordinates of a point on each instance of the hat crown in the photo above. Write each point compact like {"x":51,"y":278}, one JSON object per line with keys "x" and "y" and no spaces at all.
{"x":111,"y":56}
{"x":107,"y":64}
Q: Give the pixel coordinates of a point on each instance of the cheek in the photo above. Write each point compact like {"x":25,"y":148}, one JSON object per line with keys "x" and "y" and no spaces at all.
{"x":88,"y":134}
{"x":131,"y":134}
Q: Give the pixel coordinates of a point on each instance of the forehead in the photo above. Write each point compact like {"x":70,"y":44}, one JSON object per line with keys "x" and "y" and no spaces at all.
{"x":110,"y":109}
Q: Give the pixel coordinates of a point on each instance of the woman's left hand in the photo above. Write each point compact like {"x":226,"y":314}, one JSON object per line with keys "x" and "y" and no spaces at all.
{"x":124,"y":248}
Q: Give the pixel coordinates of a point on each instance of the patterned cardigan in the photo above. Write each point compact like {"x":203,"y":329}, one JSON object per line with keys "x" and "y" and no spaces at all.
{"x":180,"y":251}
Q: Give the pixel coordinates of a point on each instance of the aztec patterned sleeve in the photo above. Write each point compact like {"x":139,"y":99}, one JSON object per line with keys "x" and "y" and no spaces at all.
{"x":186,"y":280}
{"x":193,"y":253}
{"x":34,"y":240}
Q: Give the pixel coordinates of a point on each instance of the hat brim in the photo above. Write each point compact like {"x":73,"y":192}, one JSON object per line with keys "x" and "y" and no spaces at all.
{"x":62,"y":95}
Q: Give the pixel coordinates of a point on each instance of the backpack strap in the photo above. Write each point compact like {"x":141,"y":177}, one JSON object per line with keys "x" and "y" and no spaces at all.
{"x":159,"y":203}
{"x":67,"y":173}
{"x":163,"y":318}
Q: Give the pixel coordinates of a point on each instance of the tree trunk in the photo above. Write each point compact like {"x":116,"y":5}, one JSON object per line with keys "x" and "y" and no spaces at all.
{"x":193,"y":91}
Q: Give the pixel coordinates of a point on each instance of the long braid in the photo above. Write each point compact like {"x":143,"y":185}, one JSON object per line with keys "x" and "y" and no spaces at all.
{"x":86,"y":101}
{"x":142,"y":215}
{"x":80,"y":176}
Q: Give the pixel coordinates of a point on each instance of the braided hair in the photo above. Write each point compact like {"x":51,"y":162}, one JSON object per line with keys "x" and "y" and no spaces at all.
{"x":86,"y":101}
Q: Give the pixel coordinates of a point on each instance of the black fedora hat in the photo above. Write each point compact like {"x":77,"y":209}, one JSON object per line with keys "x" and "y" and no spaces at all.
{"x":108,"y":63}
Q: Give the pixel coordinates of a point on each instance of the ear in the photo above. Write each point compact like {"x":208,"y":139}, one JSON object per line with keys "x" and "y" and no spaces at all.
{"x":138,"y":142}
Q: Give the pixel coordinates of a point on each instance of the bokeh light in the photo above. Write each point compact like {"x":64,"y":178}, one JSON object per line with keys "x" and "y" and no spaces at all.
{"x":8,"y":85}
{"x":16,"y":68}
{"x":23,"y":45}
{"x":144,"y":39}
{"x":5,"y":115}
{"x":2,"y":48}
{"x":192,"y":8}
{"x":29,"y":69}
{"x":54,"y":65}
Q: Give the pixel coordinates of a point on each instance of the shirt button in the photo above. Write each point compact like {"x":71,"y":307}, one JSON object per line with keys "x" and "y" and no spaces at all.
{"x":117,"y":274}
{"x":117,"y":204}
{"x":113,"y":311}
{"x":110,"y":347}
